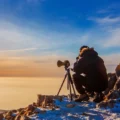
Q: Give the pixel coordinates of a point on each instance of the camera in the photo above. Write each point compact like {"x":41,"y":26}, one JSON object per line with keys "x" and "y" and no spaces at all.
{"x":66,"y":63}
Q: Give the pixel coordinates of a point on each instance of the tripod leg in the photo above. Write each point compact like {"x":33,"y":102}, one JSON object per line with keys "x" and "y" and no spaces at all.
{"x":73,"y":89}
{"x":70,"y":93}
{"x":62,"y":84}
{"x":71,"y":82}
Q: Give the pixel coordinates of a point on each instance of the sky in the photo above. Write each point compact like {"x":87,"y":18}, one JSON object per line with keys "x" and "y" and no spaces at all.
{"x":34,"y":34}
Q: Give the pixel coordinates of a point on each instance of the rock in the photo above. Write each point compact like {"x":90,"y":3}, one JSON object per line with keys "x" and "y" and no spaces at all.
{"x":117,"y":85}
{"x":44,"y":103}
{"x":40,"y":99}
{"x":111,"y":104}
{"x":57,"y":107}
{"x":18,"y":117}
{"x":70,"y":105}
{"x":34,"y":104}
{"x":21,"y":112}
{"x":102,"y":104}
{"x":86,"y":114}
{"x":42,"y":112}
{"x":1,"y":116}
{"x":25,"y":118}
{"x":37,"y":110}
{"x":53,"y":109}
{"x":106,"y":91}
{"x":111,"y":82}
{"x":113,"y":95}
{"x":14,"y":114}
{"x":14,"y":111}
{"x":20,"y":109}
{"x":27,"y":113}
{"x":60,"y":98}
{"x":9,"y":115}
{"x":47,"y":100}
{"x":30,"y":108}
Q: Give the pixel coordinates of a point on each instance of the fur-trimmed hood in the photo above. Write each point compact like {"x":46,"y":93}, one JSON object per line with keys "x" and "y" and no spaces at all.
{"x":88,"y":52}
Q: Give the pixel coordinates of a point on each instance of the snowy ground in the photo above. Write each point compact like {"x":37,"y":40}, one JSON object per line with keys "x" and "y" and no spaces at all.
{"x":77,"y":111}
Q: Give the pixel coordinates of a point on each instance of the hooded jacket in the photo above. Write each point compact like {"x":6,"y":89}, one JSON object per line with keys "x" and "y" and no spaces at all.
{"x":92,"y":66}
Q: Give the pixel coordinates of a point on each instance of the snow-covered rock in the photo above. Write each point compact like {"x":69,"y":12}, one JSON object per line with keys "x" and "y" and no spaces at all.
{"x":68,"y":110}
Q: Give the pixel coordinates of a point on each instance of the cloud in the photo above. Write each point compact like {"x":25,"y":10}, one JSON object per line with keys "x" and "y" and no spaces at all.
{"x":12,"y":37}
{"x":16,"y":39}
{"x":105,"y":20}
{"x":45,"y":66}
{"x":110,"y":9}
{"x":113,"y":40}
{"x":19,"y":50}
{"x":31,"y":66}
{"x":103,"y":11}
{"x":109,"y":31}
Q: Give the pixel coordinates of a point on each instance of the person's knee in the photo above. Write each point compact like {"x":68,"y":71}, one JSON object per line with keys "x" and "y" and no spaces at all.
{"x":75,"y":77}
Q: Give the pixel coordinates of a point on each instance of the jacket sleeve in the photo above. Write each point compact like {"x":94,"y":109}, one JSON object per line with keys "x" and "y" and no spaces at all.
{"x":80,"y":65}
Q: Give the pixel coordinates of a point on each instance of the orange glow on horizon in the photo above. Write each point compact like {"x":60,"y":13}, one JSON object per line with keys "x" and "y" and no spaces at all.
{"x":29,"y":67}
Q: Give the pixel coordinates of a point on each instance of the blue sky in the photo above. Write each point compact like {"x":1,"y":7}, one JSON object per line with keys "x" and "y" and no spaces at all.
{"x":57,"y":28}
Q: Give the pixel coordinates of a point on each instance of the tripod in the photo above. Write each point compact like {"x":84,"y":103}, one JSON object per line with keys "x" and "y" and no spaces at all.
{"x":69,"y":83}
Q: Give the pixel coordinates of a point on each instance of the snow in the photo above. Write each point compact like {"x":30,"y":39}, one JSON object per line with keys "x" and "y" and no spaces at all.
{"x":69,"y":110}
{"x":116,"y":107}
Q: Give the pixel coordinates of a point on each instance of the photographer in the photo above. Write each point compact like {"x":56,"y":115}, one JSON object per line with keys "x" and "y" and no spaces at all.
{"x":90,"y":74}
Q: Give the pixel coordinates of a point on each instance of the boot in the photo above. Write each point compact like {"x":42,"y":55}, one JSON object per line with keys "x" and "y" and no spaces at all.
{"x":91,"y":94}
{"x":99,"y":97}
{"x":82,"y":97}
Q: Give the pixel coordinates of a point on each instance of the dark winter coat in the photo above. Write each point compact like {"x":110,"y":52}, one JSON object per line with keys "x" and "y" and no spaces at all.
{"x":93,"y":67}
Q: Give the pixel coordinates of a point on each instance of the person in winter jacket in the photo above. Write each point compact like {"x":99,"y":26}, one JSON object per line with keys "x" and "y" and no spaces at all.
{"x":90,"y":74}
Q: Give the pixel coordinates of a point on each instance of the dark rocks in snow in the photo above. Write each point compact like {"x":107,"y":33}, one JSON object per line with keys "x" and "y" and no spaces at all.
{"x":20,"y":114}
{"x":18,"y":117}
{"x":1,"y":116}
{"x":30,"y":108}
{"x":107,"y":104}
{"x":110,"y":99}
{"x":44,"y":101}
{"x":102,"y":104}
{"x":111,"y":82}
{"x":117,"y":84}
{"x":112,"y":93}
{"x":9,"y":115}
{"x":47,"y":100}
{"x":20,"y":109}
